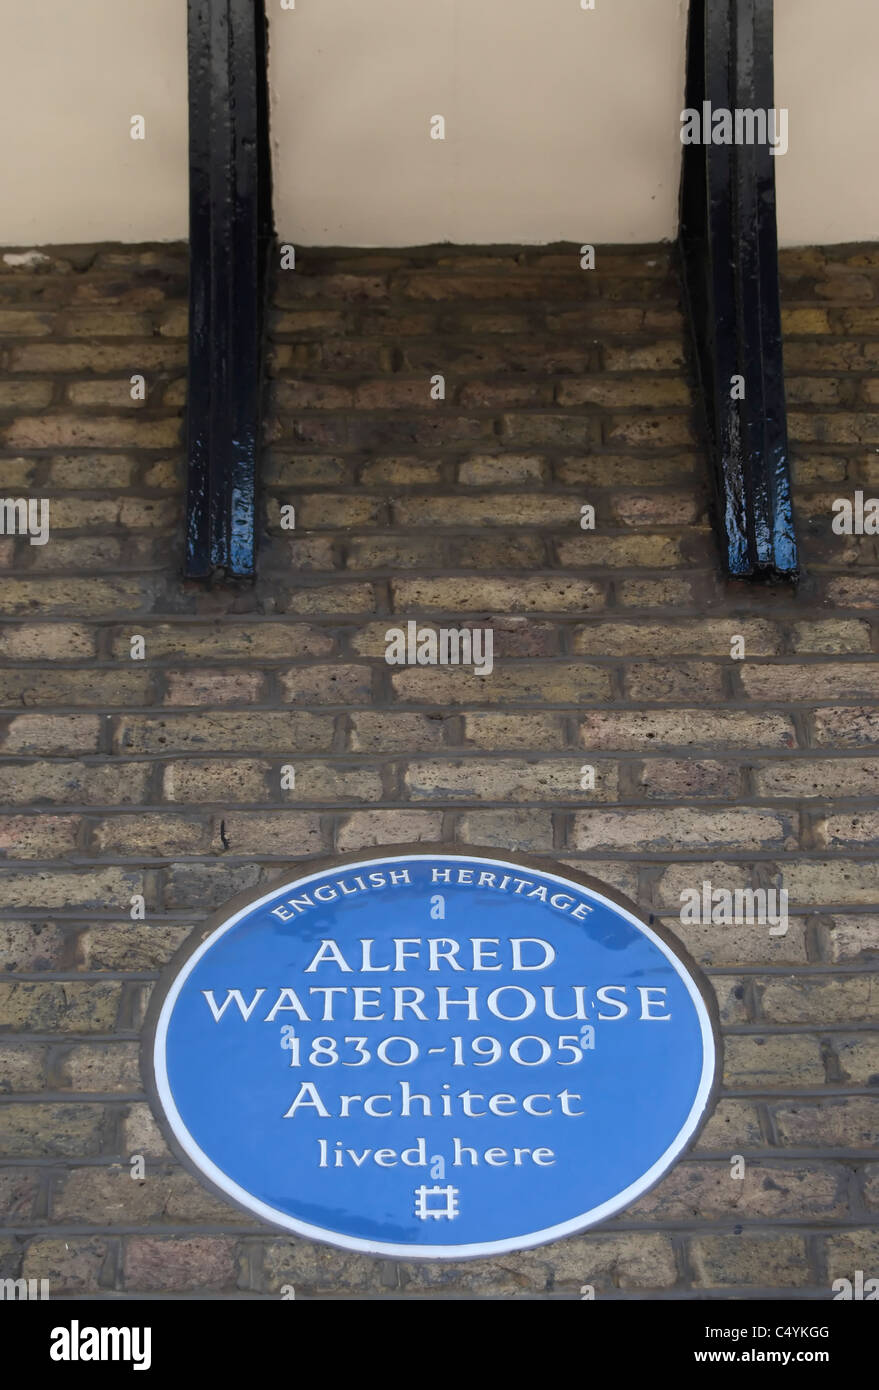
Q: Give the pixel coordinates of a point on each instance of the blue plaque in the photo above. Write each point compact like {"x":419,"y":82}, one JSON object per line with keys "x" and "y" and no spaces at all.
{"x":432,"y":1054}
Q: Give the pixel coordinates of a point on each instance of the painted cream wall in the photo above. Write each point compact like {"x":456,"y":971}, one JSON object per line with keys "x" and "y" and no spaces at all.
{"x":826,"y":75}
{"x":561,"y":123}
{"x":72,"y":73}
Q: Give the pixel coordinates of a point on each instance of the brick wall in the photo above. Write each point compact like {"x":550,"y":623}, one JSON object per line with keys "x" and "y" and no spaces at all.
{"x":161,"y":777}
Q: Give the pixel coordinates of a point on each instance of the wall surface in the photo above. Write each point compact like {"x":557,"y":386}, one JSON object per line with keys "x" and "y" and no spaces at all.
{"x":560,"y":122}
{"x":71,"y":78}
{"x":161,"y":777}
{"x":825,"y":73}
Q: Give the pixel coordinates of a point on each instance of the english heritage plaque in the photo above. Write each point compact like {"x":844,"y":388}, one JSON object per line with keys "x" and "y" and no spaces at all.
{"x":433,"y":1055}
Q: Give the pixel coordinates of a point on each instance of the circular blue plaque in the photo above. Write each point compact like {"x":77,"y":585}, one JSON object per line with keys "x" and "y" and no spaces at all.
{"x":432,"y":1054}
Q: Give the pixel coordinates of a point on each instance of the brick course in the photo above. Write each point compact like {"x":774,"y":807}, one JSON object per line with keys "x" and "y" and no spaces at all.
{"x":612,"y":647}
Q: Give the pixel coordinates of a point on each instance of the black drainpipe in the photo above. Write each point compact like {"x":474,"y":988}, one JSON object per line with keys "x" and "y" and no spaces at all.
{"x":230,"y":237}
{"x":729,"y":251}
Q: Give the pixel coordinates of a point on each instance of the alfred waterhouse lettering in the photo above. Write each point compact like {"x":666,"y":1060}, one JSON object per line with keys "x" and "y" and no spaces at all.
{"x":517,"y":1073}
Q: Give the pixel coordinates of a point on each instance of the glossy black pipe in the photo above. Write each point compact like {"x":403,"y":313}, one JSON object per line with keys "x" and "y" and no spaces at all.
{"x":729,"y":252}
{"x":229,"y":237}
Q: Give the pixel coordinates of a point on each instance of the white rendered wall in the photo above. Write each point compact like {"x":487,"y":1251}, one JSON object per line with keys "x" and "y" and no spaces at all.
{"x":72,"y":74}
{"x":561,"y":123}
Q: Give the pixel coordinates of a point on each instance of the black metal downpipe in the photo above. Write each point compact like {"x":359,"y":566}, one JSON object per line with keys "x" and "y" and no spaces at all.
{"x":729,"y":249}
{"x":230,"y":235}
